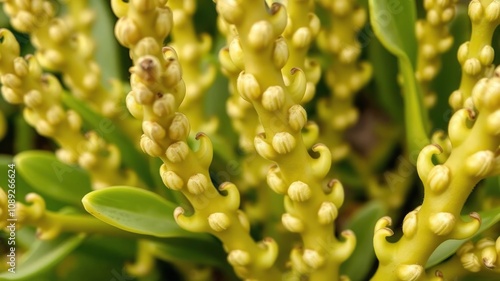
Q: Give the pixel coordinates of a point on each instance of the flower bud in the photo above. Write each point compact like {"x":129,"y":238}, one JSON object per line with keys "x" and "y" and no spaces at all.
{"x":236,"y":53}
{"x":493,"y":11}
{"x":463,"y":52}
{"x":33,"y":99}
{"x":150,"y":147}
{"x":486,"y":55}
{"x":179,"y":129}
{"x":133,"y":107}
{"x":177,"y":152}
{"x":44,"y":128}
{"x":263,"y":148}
{"x":87,"y":160}
{"x":470,"y":262}
{"x":313,"y":259}
{"x":410,"y":224}
{"x":275,"y":182}
{"x":273,"y":98}
{"x":476,"y":11}
{"x":283,"y":142}
{"x":493,"y":123}
{"x":239,"y":258}
{"x":410,"y":272}
{"x":197,"y":184}
{"x":164,"y":106}
{"x":439,"y":178}
{"x":297,"y":117}
{"x":248,"y":86}
{"x":171,"y":179}
{"x":472,"y":66}
{"x":280,"y":53}
{"x":442,"y":223}
{"x":260,"y":35}
{"x":292,"y":223}
{"x":74,"y":120}
{"x":153,"y":130}
{"x":230,"y":10}
{"x":327,"y":213}
{"x":480,"y":164}
{"x":55,"y":114}
{"x":218,"y":221}
{"x":299,"y":191}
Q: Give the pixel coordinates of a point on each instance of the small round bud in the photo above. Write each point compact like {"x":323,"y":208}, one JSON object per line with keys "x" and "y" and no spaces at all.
{"x":283,"y":142}
{"x":442,"y":223}
{"x":248,"y":86}
{"x":179,"y":129}
{"x":177,"y":152}
{"x":472,"y":66}
{"x":239,"y":258}
{"x":327,"y":213}
{"x":410,"y":224}
{"x":439,"y":178}
{"x":292,"y":223}
{"x":410,"y":272}
{"x":480,"y":164}
{"x":218,"y":221}
{"x":197,"y":184}
{"x":297,"y":117}
{"x":313,"y":259}
{"x":153,"y":130}
{"x":486,"y":55}
{"x":260,"y":35}
{"x":171,"y":179}
{"x":299,"y":191}
{"x":150,"y":147}
{"x":470,"y":262}
{"x":273,"y":98}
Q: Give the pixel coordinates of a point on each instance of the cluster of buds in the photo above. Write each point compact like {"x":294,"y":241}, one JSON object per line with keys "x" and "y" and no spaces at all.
{"x":476,"y":56}
{"x":434,"y":40}
{"x":474,"y":137}
{"x":23,"y":82}
{"x":297,"y":175}
{"x":345,"y":76}
{"x":157,"y":92}
{"x":65,"y":45}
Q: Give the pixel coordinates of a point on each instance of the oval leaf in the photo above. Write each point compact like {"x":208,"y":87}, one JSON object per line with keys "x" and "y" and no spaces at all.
{"x":112,"y":134}
{"x":50,"y":177}
{"x":135,"y":210}
{"x":449,"y":247}
{"x":394,"y":24}
{"x":42,"y":256}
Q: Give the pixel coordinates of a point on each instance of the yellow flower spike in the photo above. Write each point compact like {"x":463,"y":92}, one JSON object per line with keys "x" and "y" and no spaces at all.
{"x":292,"y":223}
{"x":464,"y":230}
{"x":383,"y":249}
{"x":194,"y":223}
{"x":321,"y":165}
{"x":411,"y":272}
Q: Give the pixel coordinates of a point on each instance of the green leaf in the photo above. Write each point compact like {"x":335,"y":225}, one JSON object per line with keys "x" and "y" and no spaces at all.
{"x":50,"y":177}
{"x":111,"y":133}
{"x":135,"y":210}
{"x":42,"y":256}
{"x":359,"y":264}
{"x":107,"y":49}
{"x":449,"y":247}
{"x":394,"y":24}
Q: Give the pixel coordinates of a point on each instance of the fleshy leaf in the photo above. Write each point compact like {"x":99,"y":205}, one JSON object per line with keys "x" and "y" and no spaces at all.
{"x":449,"y":247}
{"x":362,"y":223}
{"x":394,"y":25}
{"x":50,"y":177}
{"x":113,"y":134}
{"x":42,"y":256}
{"x":135,"y":210}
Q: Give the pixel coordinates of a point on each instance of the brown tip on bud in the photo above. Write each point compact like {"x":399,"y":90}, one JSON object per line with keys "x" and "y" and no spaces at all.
{"x":471,"y":114}
{"x":275,"y":7}
{"x":438,"y":273}
{"x":475,"y":216}
{"x":199,"y":135}
{"x":332,"y":183}
{"x":146,"y":64}
{"x":224,"y":185}
{"x":294,"y":70}
{"x":438,"y":147}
